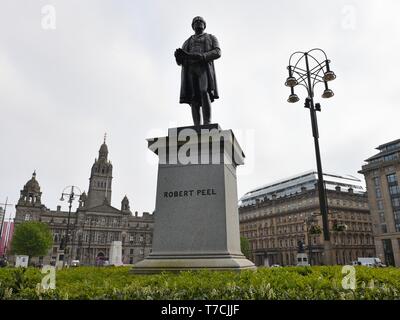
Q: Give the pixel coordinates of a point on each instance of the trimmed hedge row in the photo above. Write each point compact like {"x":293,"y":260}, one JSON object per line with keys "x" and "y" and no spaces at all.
{"x":303,"y":283}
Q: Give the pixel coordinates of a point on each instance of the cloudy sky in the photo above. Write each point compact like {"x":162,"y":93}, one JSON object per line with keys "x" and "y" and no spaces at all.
{"x":72,"y":70}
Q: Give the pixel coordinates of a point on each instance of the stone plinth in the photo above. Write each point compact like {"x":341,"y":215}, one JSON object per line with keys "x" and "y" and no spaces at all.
{"x":116,"y":253}
{"x":196,"y":218}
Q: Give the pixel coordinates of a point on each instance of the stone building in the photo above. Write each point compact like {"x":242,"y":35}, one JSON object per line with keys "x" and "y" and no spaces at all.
{"x":382,"y":173}
{"x":95,"y":223}
{"x":276,"y":217}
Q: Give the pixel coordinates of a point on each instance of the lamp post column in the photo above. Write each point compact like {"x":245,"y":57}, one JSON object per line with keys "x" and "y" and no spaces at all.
{"x":71,"y":196}
{"x":321,"y":186}
{"x":308,"y":77}
{"x":67,"y":234}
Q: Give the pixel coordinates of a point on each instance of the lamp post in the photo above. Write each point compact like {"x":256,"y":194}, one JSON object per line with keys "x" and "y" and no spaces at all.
{"x":72,"y":193}
{"x":310,"y":221}
{"x":301,"y":73}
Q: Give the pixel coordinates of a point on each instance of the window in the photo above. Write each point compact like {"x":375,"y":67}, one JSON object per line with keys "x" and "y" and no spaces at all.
{"x":379,"y":204}
{"x":396,"y":215}
{"x":27,"y":217}
{"x":391,"y":178}
{"x":378,"y":192}
{"x":394,"y":190}
{"x":388,"y":252}
{"x":376,"y":181}
{"x":383,"y":228}
{"x":390,"y":157}
{"x":131,"y":251}
{"x":396,"y":202}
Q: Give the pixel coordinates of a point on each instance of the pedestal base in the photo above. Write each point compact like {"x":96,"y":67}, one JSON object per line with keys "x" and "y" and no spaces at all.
{"x":196,"y":262}
{"x":196,"y":222}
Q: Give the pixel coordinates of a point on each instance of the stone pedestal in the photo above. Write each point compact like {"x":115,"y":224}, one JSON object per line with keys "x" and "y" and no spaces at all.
{"x":302,"y":259}
{"x":116,"y":253}
{"x":196,"y":218}
{"x":21,"y":261}
{"x":60,"y":259}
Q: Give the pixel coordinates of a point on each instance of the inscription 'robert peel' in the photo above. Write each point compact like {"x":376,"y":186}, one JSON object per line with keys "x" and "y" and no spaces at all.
{"x":189,"y":193}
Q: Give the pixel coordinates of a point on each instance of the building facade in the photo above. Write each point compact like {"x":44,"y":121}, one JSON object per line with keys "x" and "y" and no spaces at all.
{"x":279,"y":218}
{"x":382,"y":174}
{"x":95,"y":223}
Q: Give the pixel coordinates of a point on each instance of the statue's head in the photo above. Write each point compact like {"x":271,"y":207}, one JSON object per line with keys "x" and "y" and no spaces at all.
{"x":198,"y":22}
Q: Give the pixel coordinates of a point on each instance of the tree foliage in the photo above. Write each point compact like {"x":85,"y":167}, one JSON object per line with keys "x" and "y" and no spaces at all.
{"x":245,"y":246}
{"x":32,"y":238}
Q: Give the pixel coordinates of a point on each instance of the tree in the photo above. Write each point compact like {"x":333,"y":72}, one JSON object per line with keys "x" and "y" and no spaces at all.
{"x":32,"y":238}
{"x":245,"y":246}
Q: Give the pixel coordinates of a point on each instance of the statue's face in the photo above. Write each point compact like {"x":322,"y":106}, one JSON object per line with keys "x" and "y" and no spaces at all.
{"x":199,"y":26}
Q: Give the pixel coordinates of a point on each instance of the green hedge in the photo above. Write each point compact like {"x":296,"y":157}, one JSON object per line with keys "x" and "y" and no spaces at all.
{"x":266,"y":283}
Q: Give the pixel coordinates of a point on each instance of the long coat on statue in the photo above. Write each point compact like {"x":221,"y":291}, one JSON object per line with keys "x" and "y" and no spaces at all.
{"x":209,"y":48}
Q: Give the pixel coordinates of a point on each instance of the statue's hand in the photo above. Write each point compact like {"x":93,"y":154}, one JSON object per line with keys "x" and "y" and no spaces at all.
{"x":179,"y":56}
{"x":177,"y":53}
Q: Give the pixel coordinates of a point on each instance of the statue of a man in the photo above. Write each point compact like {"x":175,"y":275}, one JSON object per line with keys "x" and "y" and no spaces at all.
{"x":300,"y":246}
{"x":198,"y":82}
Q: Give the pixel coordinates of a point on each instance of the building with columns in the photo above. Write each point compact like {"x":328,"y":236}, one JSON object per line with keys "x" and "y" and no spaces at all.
{"x":276,"y":217}
{"x":95,"y":223}
{"x":382,"y":174}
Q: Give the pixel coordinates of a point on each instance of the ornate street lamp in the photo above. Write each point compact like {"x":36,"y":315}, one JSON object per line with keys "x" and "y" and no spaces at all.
{"x":73,"y":191}
{"x":306,"y":70}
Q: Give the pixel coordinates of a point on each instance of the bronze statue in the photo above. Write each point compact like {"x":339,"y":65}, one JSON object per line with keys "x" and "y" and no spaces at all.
{"x":300,"y":246}
{"x":198,"y":82}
